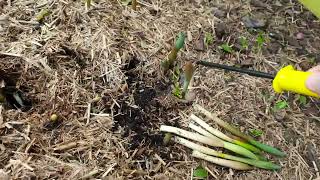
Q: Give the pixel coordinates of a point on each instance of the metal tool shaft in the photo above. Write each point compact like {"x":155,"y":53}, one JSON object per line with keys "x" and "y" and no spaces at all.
{"x":236,"y":69}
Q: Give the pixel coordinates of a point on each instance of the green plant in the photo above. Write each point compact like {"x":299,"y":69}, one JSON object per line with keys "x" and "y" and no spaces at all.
{"x":208,"y":39}
{"x":302,"y":100}
{"x":172,"y":56}
{"x":281,"y":105}
{"x":244,"y":43}
{"x":176,"y":83}
{"x":260,"y":40}
{"x":226,"y":48}
{"x":256,"y":132}
{"x":200,"y":172}
{"x":43,"y":13}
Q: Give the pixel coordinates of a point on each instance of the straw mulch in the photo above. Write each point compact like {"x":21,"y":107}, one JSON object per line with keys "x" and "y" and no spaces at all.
{"x":98,"y":69}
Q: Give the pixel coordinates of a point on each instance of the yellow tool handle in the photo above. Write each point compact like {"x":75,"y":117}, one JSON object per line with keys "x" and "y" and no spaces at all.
{"x":289,"y":79}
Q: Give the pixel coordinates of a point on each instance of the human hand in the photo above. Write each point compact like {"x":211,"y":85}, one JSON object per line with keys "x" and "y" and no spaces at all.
{"x":313,"y":82}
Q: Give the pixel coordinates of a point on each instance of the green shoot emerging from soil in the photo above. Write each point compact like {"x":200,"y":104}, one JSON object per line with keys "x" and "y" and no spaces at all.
{"x":43,"y":13}
{"x":176,"y":77}
{"x":280,"y":105}
{"x":208,"y":39}
{"x":200,"y":172}
{"x":167,"y":64}
{"x":302,"y":100}
{"x":244,"y":43}
{"x":188,"y":73}
{"x":256,"y":132}
{"x":226,"y":48}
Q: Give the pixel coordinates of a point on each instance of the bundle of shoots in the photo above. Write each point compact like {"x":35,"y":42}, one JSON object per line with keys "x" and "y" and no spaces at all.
{"x":212,"y":141}
{"x":219,"y":134}
{"x":237,"y":132}
{"x":167,"y":64}
{"x":236,"y":162}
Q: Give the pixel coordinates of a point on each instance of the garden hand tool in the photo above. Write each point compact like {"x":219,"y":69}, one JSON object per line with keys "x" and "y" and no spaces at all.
{"x":286,"y":79}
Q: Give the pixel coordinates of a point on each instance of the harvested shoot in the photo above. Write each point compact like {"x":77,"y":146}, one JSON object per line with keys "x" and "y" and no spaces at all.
{"x":223,"y":162}
{"x":235,"y":131}
{"x":209,"y":151}
{"x":213,"y":141}
{"x":221,"y":135}
{"x":167,"y":64}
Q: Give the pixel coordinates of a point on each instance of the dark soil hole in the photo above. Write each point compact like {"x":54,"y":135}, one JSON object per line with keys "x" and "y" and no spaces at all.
{"x":14,"y":98}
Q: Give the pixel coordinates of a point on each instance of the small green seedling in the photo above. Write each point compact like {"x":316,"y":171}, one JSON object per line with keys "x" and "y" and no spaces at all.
{"x":256,"y":132}
{"x":302,"y":100}
{"x":244,"y":43}
{"x":43,"y":13}
{"x":176,"y":77}
{"x":200,"y":173}
{"x":226,"y":48}
{"x":167,"y":138}
{"x":281,"y":105}
{"x":167,"y":64}
{"x":260,"y":40}
{"x":208,"y":39}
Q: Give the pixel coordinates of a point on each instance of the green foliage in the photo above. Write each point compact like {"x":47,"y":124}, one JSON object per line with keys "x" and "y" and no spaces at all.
{"x":302,"y":100}
{"x":43,"y":13}
{"x":200,"y":172}
{"x":281,"y":105}
{"x":260,"y":40}
{"x":226,"y":48}
{"x":208,"y":39}
{"x":256,"y":132}
{"x":176,"y":77}
{"x":180,"y":41}
{"x":244,"y":43}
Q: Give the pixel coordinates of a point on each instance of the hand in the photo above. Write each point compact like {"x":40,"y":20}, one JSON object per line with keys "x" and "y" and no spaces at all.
{"x":313,"y":82}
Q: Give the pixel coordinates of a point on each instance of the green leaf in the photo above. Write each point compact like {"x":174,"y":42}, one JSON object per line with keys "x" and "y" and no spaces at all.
{"x":260,"y":40}
{"x":281,"y":105}
{"x":208,"y":39}
{"x":180,"y":41}
{"x":244,"y":42}
{"x":200,"y":172}
{"x":302,"y":100}
{"x":256,"y":132}
{"x":226,"y":48}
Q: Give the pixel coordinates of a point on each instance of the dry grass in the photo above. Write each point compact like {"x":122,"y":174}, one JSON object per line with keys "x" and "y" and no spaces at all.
{"x":76,"y":64}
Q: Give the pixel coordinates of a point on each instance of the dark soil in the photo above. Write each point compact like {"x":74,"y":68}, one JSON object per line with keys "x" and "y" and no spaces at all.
{"x":141,"y":118}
